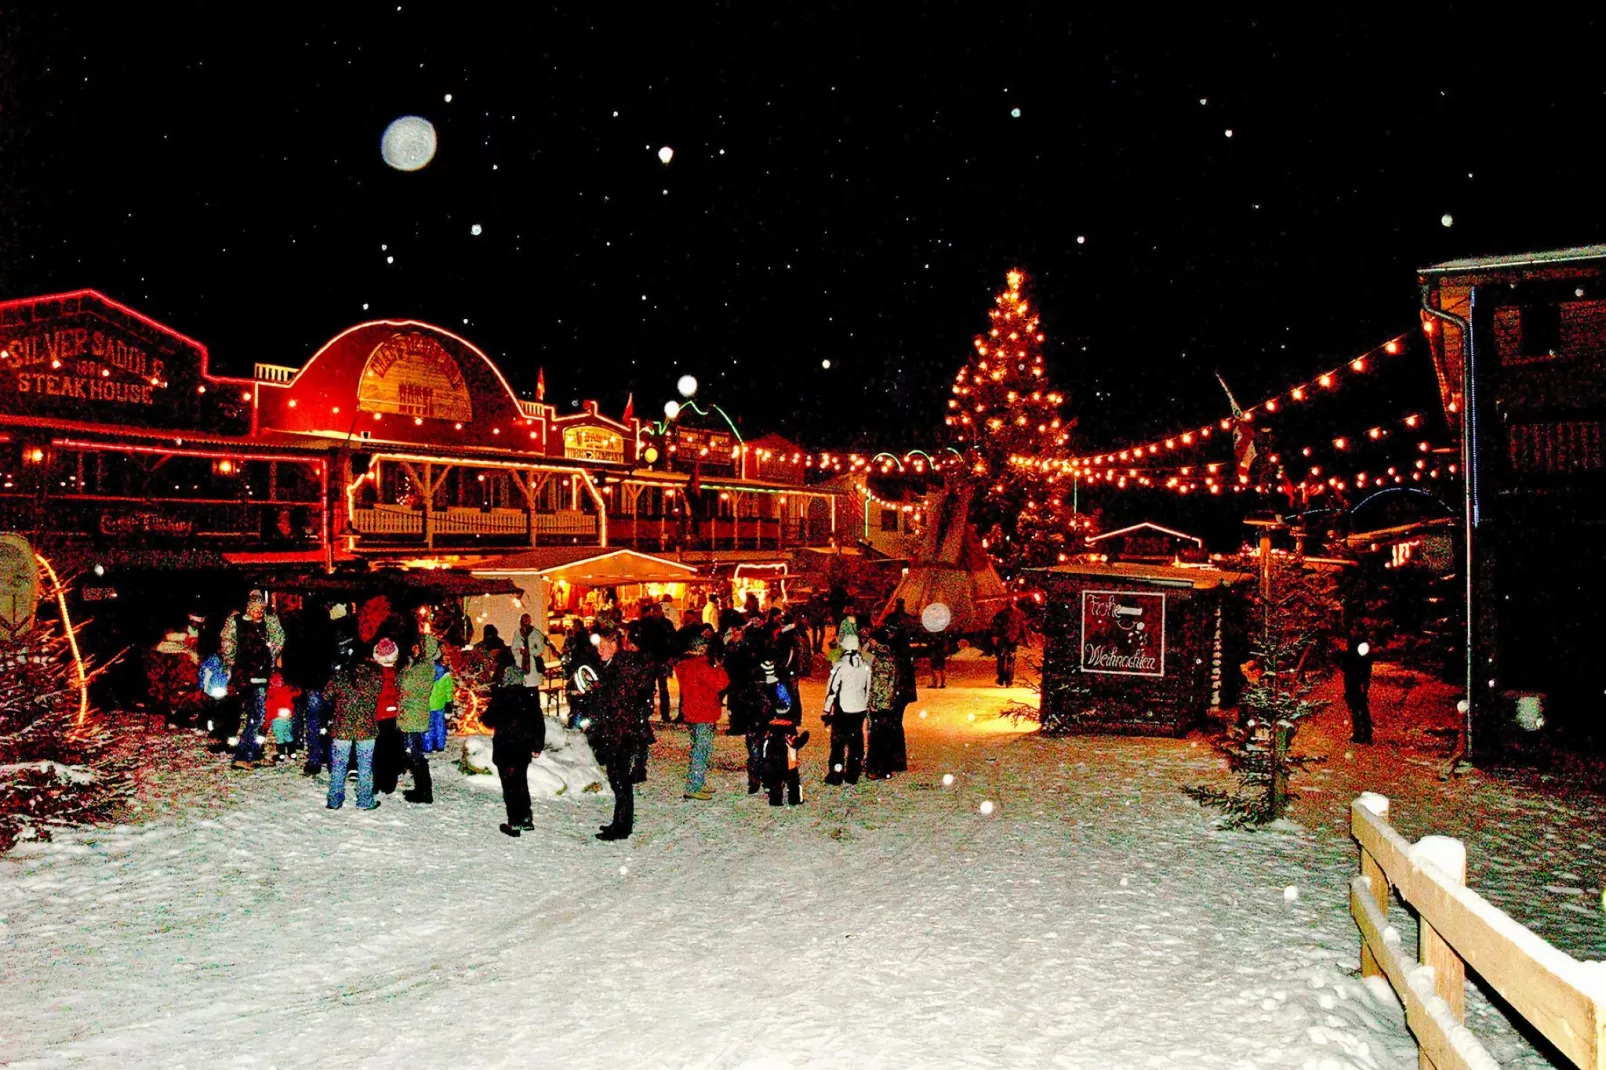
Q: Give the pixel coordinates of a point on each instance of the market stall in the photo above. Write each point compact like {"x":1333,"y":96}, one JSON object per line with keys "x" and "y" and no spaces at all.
{"x":1139,"y":649}
{"x":575,"y":581}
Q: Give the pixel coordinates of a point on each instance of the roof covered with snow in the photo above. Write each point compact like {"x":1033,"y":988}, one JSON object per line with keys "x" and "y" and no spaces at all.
{"x":1517,"y":260}
{"x":1163,"y":575}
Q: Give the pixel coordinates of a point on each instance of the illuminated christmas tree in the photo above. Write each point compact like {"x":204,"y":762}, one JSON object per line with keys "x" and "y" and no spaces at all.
{"x":1006,"y":418}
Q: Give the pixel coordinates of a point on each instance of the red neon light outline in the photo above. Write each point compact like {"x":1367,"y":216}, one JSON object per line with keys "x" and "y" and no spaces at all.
{"x":132,"y":313}
{"x":476,"y":350}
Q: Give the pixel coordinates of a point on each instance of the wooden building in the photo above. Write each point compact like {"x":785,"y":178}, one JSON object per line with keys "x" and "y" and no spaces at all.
{"x":396,"y":439}
{"x":1519,"y":344}
{"x":1136,"y":649}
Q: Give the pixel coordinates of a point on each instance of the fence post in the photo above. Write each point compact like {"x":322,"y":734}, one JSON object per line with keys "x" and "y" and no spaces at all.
{"x":1378,"y":805}
{"x":1449,"y":972}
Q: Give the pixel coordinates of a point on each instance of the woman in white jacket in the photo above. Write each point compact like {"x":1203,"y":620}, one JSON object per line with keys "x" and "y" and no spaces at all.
{"x":847,"y":697}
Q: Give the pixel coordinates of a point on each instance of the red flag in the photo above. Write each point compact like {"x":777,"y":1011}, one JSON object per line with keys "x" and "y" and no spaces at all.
{"x":540,"y":385}
{"x":630,"y":408}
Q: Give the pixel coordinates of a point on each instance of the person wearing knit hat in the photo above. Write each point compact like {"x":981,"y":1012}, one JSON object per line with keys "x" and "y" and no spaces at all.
{"x":778,"y":740}
{"x":388,"y":744}
{"x":251,"y":642}
{"x":847,"y":698}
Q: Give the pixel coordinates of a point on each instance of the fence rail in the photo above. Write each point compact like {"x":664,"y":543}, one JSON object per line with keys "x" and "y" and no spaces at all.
{"x":1559,"y":996}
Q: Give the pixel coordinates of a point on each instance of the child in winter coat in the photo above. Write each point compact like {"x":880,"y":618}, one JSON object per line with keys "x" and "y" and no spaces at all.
{"x":281,"y":720}
{"x":780,"y":740}
{"x":388,"y":746}
{"x":518,"y":735}
{"x":440,"y":699}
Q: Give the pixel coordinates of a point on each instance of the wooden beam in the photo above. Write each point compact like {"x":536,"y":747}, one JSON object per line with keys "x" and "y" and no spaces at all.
{"x":1444,"y":1042}
{"x":1541,"y":982}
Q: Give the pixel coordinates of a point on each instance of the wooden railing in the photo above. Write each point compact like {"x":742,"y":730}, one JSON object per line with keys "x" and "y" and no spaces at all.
{"x":384,"y":519}
{"x":1559,"y":996}
{"x":275,"y":373}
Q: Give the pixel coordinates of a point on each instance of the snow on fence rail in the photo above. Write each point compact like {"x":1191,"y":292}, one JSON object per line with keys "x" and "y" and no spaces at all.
{"x":1561,"y":997}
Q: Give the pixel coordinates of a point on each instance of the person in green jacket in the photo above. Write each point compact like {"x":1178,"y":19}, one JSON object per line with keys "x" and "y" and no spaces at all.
{"x":417,"y":685}
{"x":440,"y":699}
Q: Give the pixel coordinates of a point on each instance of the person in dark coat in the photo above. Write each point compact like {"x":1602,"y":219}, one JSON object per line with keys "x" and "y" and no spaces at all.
{"x":741,"y":665}
{"x":1009,"y":632}
{"x":580,"y":653}
{"x":518,"y":736}
{"x":251,"y":642}
{"x":654,"y":637}
{"x":1356,"y":664}
{"x":308,"y":662}
{"x":619,"y":728}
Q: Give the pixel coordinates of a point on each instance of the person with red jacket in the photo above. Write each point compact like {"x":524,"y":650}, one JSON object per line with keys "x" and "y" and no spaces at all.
{"x":702,"y":680}
{"x":388,"y":747}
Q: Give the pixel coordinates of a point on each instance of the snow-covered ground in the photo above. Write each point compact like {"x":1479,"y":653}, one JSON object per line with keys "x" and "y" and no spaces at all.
{"x":1094,"y":919}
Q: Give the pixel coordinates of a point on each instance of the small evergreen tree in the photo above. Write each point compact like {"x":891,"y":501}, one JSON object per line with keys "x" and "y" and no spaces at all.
{"x":1295,"y":615}
{"x":1006,"y":419}
{"x":57,"y":765}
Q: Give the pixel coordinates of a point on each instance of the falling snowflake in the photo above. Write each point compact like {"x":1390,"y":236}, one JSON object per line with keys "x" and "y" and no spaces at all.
{"x":666,"y":154}
{"x":475,"y":230}
{"x":1447,"y":220}
{"x":986,"y":807}
{"x":1014,"y":113}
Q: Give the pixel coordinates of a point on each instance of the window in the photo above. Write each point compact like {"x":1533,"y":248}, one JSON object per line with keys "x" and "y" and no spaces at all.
{"x":1541,"y":330}
{"x":889,"y":520}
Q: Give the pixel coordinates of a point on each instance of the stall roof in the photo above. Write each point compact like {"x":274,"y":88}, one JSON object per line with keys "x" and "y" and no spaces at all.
{"x":1160,"y":575}
{"x":589,"y":566}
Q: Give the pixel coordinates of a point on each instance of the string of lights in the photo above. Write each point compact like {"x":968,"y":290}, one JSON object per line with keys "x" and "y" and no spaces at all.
{"x":1383,"y":432}
{"x":1299,"y":392}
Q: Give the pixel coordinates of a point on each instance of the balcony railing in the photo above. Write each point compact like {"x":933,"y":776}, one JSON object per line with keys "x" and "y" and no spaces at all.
{"x":275,"y":373}
{"x":461,"y":520}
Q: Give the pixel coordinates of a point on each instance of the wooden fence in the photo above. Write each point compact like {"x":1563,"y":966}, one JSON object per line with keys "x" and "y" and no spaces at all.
{"x":1560,"y":997}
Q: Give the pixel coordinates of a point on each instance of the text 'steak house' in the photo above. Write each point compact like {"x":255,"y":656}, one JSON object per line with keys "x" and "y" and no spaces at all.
{"x":394,"y":439}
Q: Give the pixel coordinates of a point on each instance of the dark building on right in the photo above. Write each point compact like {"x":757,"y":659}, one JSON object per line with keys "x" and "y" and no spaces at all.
{"x":1519,"y":344}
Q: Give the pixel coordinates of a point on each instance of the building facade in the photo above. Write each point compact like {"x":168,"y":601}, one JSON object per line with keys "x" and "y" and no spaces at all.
{"x":1519,"y":344}
{"x":396,"y":438}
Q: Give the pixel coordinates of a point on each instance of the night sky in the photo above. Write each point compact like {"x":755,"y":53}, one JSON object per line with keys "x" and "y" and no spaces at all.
{"x":843,"y":187}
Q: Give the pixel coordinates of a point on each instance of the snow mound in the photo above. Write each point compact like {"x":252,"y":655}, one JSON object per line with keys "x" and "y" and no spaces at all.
{"x":566,"y":768}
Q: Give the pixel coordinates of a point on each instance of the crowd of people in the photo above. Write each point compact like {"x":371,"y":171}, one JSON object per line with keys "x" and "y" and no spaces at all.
{"x":365,"y":692}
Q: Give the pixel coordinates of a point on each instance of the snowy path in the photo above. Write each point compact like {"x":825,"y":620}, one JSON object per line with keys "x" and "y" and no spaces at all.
{"x":1094,"y":920}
